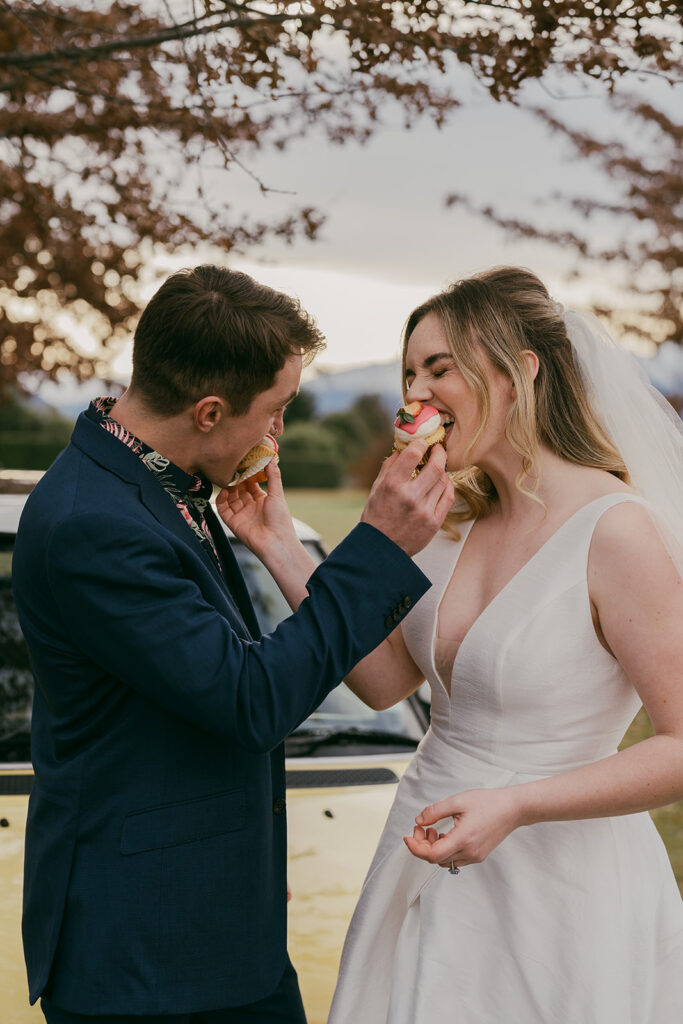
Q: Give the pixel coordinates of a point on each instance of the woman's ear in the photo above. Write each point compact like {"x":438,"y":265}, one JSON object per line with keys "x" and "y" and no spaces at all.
{"x":532,"y":362}
{"x":208,"y":412}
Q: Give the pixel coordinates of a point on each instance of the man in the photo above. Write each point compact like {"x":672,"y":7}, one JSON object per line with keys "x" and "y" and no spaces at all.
{"x":155,"y":881}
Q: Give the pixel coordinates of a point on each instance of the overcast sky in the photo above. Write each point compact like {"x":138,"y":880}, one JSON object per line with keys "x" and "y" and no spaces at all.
{"x":389,"y":241}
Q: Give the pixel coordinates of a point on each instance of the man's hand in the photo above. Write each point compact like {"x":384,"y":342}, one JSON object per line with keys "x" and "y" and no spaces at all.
{"x":262,"y":521}
{"x":409,"y":510}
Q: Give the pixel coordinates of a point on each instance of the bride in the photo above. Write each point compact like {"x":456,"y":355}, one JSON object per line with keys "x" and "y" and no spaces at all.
{"x":519,"y":879}
{"x":532,"y":887}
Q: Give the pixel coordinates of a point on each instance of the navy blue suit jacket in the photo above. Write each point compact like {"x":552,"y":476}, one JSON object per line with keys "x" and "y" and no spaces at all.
{"x":155,"y":849}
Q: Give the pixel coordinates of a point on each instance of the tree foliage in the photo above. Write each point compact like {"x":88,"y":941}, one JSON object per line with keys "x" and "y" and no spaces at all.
{"x":644,"y":254}
{"x":301,"y":409}
{"x":364,"y":434}
{"x":120,"y":125}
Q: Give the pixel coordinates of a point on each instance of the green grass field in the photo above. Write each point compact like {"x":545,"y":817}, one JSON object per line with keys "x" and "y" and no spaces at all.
{"x":331,"y":513}
{"x":334,"y":513}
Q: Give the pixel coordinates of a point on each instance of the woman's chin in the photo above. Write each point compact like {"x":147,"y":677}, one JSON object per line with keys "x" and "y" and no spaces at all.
{"x":456,"y":464}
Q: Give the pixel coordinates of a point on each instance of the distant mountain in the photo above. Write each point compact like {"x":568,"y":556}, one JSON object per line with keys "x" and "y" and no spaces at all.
{"x":71,"y":397}
{"x":336,"y":390}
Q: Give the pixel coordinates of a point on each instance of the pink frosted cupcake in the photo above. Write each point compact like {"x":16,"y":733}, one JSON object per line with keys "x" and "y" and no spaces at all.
{"x":417,"y":420}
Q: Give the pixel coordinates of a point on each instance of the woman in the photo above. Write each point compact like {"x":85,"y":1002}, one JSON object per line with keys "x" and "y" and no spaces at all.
{"x":552,"y":617}
{"x":538,"y":892}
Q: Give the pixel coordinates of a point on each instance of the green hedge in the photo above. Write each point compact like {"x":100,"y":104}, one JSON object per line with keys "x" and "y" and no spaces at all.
{"x":303,"y":471}
{"x":27,"y":450}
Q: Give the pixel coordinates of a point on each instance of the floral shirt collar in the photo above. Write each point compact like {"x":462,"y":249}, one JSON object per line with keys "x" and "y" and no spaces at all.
{"x":189,"y":493}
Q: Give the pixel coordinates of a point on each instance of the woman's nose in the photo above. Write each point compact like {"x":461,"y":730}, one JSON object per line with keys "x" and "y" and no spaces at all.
{"x":419,"y":391}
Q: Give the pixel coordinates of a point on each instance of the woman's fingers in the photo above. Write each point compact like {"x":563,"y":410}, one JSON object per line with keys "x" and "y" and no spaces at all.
{"x":442,"y":851}
{"x":446,"y":808}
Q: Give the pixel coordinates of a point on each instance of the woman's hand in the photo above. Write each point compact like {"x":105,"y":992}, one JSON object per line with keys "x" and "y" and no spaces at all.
{"x":482,"y":818}
{"x":262,"y":521}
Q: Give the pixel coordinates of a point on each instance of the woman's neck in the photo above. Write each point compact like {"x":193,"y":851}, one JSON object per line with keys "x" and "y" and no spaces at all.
{"x":559,"y":486}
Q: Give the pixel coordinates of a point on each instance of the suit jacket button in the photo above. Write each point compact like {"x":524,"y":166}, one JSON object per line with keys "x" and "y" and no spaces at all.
{"x":279,"y":805}
{"x":397,"y":615}
{"x":406,"y":602}
{"x":389,"y":622}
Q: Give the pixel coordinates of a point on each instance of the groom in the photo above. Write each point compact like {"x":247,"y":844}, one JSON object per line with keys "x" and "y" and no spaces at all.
{"x":155,"y":885}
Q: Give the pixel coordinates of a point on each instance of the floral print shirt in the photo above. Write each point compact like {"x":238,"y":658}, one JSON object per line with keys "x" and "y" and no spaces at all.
{"x":190,"y":494}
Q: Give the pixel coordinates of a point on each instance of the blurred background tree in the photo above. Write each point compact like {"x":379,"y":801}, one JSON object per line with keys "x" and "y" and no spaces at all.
{"x":645,"y":167}
{"x":310,"y":456}
{"x":32,"y":434}
{"x":340,"y":448}
{"x":300,"y":409}
{"x":113,"y":117}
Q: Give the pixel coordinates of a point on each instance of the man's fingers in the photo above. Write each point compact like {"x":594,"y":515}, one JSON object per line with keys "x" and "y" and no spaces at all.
{"x":432,"y":474}
{"x":436,"y":465}
{"x":445,"y":502}
{"x":274,"y":480}
{"x":408,"y":459}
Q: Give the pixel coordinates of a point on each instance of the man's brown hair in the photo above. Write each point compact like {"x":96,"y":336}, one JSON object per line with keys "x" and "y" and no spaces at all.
{"x":215,"y":331}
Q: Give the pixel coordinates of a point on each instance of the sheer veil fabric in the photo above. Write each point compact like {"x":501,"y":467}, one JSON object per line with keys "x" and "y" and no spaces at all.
{"x":642,"y":424}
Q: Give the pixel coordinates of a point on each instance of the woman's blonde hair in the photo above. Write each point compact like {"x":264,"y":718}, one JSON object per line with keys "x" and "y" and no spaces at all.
{"x":502,"y":312}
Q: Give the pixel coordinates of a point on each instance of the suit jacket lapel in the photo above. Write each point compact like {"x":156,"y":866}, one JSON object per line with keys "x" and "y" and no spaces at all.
{"x":233,"y":573}
{"x":109,"y":452}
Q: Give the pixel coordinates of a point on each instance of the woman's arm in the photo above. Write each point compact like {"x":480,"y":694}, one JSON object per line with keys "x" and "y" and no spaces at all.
{"x":386,"y":675}
{"x":638,"y":597}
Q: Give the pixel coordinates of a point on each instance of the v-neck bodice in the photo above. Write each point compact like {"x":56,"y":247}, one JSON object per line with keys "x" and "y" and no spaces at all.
{"x":519,"y":692}
{"x":552,"y":925}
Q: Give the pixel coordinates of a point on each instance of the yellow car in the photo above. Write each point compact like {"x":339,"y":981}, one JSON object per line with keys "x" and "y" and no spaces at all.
{"x":343,"y":765}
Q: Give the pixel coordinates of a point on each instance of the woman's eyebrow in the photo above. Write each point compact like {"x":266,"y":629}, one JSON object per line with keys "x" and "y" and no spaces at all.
{"x":430,"y":360}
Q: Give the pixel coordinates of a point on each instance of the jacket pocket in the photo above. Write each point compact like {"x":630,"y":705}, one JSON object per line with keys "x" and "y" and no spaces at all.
{"x":184,"y":822}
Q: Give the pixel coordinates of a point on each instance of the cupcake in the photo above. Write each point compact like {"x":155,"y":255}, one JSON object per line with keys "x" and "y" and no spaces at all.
{"x":417,"y":420}
{"x":253,"y":465}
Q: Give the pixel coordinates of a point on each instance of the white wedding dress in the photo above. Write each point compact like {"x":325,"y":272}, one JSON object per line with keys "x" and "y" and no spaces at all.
{"x":574,"y":922}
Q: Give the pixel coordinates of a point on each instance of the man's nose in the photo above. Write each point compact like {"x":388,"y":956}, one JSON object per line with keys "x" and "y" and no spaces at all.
{"x":277,"y":426}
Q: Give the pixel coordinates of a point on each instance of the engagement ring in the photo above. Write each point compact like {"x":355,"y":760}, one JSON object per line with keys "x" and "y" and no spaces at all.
{"x":453,"y":870}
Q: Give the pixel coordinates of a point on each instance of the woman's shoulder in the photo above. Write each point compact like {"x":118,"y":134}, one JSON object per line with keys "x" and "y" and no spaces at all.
{"x":627,"y":543}
{"x":590,"y":484}
{"x":602,"y":494}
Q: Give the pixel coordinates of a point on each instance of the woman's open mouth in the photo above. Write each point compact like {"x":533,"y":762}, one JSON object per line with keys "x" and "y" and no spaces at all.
{"x":447,"y":424}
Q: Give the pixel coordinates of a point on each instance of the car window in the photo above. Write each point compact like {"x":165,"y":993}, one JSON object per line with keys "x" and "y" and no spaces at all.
{"x":269,"y":604}
{"x":337,"y":724}
{"x":16,"y":680}
{"x":342,"y":718}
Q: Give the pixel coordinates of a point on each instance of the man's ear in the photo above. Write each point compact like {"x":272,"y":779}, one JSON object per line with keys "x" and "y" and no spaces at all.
{"x":208,"y":412}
